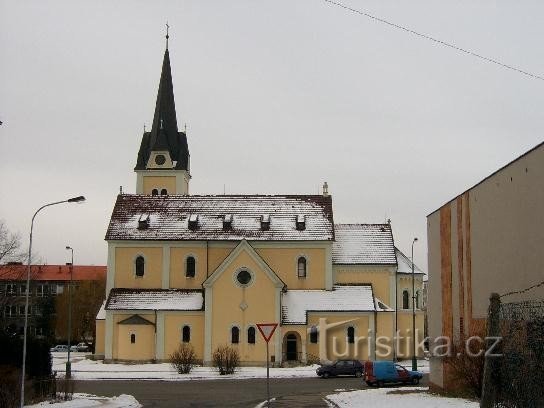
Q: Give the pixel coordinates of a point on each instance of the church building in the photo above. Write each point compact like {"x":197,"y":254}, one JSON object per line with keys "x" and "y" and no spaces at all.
{"x":206,"y":269}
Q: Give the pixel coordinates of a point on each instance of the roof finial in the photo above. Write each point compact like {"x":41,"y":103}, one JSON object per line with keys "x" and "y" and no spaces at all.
{"x":167,"y":36}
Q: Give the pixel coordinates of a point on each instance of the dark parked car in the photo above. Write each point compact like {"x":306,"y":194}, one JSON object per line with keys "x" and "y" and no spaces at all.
{"x":341,"y":367}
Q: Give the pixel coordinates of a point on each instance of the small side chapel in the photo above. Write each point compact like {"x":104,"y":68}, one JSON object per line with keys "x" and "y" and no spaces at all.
{"x":206,"y":269}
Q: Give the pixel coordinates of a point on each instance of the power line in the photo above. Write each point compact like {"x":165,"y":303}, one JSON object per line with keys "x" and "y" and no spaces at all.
{"x":436,"y":40}
{"x":518,"y":292}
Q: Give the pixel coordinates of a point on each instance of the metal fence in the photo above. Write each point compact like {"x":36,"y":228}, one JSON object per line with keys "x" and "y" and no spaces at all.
{"x":514,"y":370}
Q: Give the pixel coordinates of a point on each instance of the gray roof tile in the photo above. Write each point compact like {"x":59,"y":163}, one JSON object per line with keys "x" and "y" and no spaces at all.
{"x":363,"y":244}
{"x":169,"y":217}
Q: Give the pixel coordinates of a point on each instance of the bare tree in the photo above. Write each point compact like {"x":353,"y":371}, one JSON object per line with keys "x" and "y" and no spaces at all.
{"x":87,"y":297}
{"x":10,"y":245}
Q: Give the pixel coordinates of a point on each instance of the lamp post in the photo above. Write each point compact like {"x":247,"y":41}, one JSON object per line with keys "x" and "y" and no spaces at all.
{"x":68,"y":364}
{"x":414,"y":358}
{"x":78,"y":199}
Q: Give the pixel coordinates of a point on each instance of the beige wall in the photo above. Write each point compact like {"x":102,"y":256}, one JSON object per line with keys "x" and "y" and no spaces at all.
{"x":159,"y":182}
{"x":259,"y":302}
{"x":379,"y":277}
{"x":336,"y":337}
{"x":404,"y":282}
{"x":178,"y":257}
{"x":125,"y":271}
{"x":173,"y":324}
{"x":507,"y":224}
{"x":99,"y":348}
{"x":123,"y":349}
{"x":283,"y":261}
{"x":385,"y":324}
{"x":404,"y":320}
{"x":489,"y":239}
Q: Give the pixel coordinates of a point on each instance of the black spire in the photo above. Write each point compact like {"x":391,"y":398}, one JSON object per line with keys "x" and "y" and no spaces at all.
{"x":164,"y":133}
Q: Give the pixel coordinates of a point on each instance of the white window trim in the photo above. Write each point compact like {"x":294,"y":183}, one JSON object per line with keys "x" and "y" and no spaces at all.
{"x":402,"y":298}
{"x":302,"y":255}
{"x":235,"y":277}
{"x":134,"y":266}
{"x":185,"y":265}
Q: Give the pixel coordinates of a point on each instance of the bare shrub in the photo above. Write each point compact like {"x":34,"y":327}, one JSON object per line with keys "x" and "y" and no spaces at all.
{"x":184,"y":358}
{"x":226,"y":359}
{"x":466,"y":365}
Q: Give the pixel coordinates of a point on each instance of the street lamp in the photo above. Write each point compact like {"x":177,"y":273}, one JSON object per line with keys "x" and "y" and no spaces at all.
{"x":414,"y":359}
{"x":68,"y":364}
{"x":78,"y":199}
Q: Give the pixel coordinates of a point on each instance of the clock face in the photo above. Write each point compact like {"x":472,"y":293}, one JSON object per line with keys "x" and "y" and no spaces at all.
{"x":160,"y":159}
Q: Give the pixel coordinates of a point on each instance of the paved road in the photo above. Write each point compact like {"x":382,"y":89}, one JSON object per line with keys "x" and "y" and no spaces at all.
{"x":290,"y":392}
{"x":221,"y":393}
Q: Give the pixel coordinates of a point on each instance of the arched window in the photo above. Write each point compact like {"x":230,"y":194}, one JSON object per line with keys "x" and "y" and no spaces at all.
{"x":154,"y":192}
{"x":351,"y":334}
{"x":190,"y":267}
{"x":164,"y":192}
{"x":405,"y":299}
{"x":235,"y":335}
{"x":313,"y":334}
{"x":418,"y":299}
{"x":186,"y":334}
{"x":251,"y":335}
{"x":132,"y":338}
{"x":140,"y":266}
{"x":301,"y":267}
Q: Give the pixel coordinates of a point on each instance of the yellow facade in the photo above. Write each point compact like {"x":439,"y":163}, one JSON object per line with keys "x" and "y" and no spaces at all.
{"x":159,"y":182}
{"x":378,"y":276}
{"x":173,"y":325}
{"x":133,"y":341}
{"x":125,"y":271}
{"x":244,"y":307}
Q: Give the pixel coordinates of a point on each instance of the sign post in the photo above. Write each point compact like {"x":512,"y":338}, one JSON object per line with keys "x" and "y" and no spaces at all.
{"x":267,"y":330}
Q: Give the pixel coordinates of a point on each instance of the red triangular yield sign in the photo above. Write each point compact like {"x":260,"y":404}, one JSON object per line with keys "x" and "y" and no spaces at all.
{"x":267,"y":330}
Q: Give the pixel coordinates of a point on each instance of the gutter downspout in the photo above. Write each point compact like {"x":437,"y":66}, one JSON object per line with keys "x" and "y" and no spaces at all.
{"x":155,"y":326}
{"x":396,"y":315}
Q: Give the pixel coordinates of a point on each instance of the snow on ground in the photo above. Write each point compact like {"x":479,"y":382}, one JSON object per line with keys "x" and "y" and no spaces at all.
{"x":87,"y":400}
{"x":402,"y":397}
{"x":83,"y":369}
{"x":422,"y":365}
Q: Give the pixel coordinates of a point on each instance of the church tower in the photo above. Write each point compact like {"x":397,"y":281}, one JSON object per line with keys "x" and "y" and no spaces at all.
{"x":163,"y":165}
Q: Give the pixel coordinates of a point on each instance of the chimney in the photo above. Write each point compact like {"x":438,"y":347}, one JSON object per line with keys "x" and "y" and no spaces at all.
{"x":325,"y":189}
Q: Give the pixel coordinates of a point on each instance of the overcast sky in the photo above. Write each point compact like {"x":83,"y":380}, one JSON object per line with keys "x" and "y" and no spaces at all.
{"x":278,"y":96}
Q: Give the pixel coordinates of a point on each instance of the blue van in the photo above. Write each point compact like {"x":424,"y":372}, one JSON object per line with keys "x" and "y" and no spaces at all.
{"x":381,"y":372}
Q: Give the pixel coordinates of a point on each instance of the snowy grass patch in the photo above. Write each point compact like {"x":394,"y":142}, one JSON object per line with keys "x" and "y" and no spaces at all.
{"x":83,"y":369}
{"x":80,"y":400}
{"x":397,"y":397}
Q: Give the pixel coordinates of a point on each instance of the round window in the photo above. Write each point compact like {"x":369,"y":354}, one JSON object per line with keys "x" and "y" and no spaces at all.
{"x":160,"y":159}
{"x":243,"y":277}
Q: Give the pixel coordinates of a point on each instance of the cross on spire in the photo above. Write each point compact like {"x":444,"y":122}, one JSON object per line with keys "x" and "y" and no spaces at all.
{"x":167,"y":36}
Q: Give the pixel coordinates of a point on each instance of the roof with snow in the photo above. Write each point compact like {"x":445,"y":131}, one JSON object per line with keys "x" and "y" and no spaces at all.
{"x":167,"y":217}
{"x":404,"y":263}
{"x":155,"y":299}
{"x":53,"y":272}
{"x":101,"y":315}
{"x":295,"y":304}
{"x":362,"y":244}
